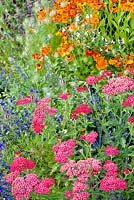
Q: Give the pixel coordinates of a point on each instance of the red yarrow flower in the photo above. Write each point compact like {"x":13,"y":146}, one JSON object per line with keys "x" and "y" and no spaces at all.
{"x":110,"y":151}
{"x":131,"y":120}
{"x":81,"y":89}
{"x":126,"y":171}
{"x":81,"y":109}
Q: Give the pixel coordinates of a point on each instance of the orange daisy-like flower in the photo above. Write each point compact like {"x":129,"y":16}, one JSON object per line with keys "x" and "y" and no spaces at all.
{"x":94,"y":21}
{"x":45,"y":50}
{"x":39,"y":66}
{"x":113,"y":9}
{"x":37,"y":56}
{"x":97,"y":6}
{"x":69,"y":58}
{"x":41,"y":15}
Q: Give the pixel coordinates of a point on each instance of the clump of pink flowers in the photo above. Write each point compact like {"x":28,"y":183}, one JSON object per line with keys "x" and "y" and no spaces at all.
{"x":23,"y":186}
{"x":64,"y":96}
{"x":112,"y":183}
{"x":81,"y":170}
{"x":25,"y":100}
{"x":90,"y":137}
{"x":91,"y":80}
{"x":110,"y":151}
{"x":21,"y":163}
{"x":131,"y":120}
{"x":41,"y":109}
{"x":129,"y":101}
{"x":118,"y":85}
{"x":63,"y":150}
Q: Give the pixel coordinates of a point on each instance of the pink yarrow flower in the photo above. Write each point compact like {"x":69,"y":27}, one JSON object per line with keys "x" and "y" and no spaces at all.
{"x":90,"y":137}
{"x":64,"y":96}
{"x":110,"y":151}
{"x":131,"y":71}
{"x":26,"y":100}
{"x":10,"y":177}
{"x":131,"y":120}
{"x":129,"y":101}
{"x":63,"y":150}
{"x":21,"y":163}
{"x":81,"y":196}
{"x":111,"y":183}
{"x":69,"y":194}
{"x":106,"y":73}
{"x":91,"y":80}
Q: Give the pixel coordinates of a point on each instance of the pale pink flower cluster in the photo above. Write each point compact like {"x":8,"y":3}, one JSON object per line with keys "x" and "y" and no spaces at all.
{"x":129,"y":101}
{"x":118,"y":85}
{"x":90,"y":137}
{"x":23,"y":186}
{"x":63,"y":150}
{"x":42,"y":107}
{"x":80,"y":170}
{"x":111,"y":181}
{"x":110,"y":151}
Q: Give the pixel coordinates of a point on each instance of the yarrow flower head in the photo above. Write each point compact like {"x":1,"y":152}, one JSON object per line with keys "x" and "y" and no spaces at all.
{"x":129,"y":101}
{"x":26,"y":100}
{"x":42,"y":107}
{"x":111,"y":183}
{"x":110,"y":151}
{"x":63,"y":150}
{"x":90,"y":137}
{"x":131,"y":120}
{"x":118,"y":85}
{"x":81,"y":88}
{"x":91,"y":80}
{"x":81,"y":109}
{"x":126,"y":171}
{"x":21,"y":163}
{"x":64,"y":96}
